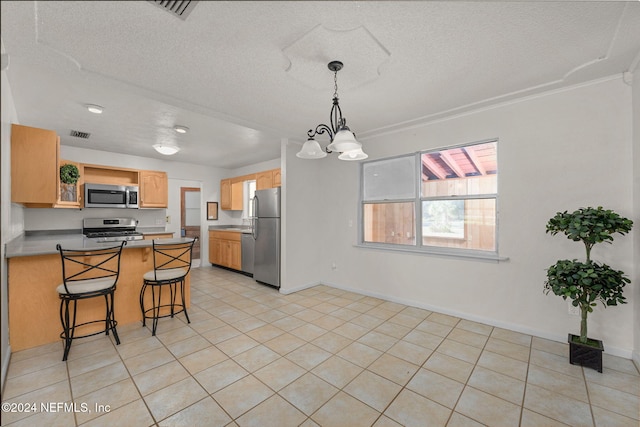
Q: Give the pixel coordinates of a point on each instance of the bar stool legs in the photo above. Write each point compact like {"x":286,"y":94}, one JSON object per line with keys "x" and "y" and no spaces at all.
{"x":86,"y":274}
{"x":68,"y":320}
{"x":171,"y":265}
{"x":153,"y":313}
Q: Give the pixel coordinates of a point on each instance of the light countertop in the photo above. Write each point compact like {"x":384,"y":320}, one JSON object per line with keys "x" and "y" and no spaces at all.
{"x":46,"y":244}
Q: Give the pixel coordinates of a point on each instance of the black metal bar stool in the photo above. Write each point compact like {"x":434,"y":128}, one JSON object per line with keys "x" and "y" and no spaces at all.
{"x":87,"y":273}
{"x":171,"y":264}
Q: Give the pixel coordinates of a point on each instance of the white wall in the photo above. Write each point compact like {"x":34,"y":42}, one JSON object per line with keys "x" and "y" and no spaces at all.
{"x":303,"y":223}
{"x":257,"y":167}
{"x":635,"y":284}
{"x":561,"y":150}
{"x":10,"y":215}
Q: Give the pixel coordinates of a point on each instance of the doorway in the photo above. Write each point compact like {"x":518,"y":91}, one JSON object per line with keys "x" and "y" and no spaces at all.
{"x":190,"y":216}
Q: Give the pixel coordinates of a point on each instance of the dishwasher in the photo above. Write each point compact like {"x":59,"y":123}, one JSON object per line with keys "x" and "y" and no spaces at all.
{"x":247,"y":245}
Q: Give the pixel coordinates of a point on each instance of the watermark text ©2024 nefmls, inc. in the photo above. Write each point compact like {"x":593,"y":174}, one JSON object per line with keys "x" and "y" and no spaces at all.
{"x":53,"y":407}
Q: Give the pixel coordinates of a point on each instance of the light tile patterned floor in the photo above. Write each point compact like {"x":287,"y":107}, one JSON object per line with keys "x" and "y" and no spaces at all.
{"x":320,"y":357}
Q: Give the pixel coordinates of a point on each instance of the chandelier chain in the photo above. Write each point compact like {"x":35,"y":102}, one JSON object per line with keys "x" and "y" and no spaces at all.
{"x":335,"y":84}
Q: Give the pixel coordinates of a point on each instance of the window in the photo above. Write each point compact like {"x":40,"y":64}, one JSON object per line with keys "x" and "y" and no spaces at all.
{"x":248,"y":190}
{"x":453,"y":192}
{"x":389,"y":188}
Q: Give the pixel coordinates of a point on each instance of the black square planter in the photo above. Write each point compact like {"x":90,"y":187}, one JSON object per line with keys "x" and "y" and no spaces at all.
{"x":585,"y":355}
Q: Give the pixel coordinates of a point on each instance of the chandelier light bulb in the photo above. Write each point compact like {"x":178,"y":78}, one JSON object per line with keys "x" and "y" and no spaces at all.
{"x":353,"y":155}
{"x":311,"y":150}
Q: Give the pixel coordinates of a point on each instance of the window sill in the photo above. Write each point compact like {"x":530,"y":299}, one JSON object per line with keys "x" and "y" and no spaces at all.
{"x":442,"y":253}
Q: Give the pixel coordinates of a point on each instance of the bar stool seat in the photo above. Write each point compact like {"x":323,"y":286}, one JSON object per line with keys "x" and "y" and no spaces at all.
{"x":86,"y":286}
{"x":172,"y":263}
{"x":87,"y":273}
{"x":162,"y":275}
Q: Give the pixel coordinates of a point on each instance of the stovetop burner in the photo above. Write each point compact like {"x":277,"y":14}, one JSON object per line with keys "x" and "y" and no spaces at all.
{"x":111,"y":229}
{"x":92,"y":234}
{"x":114,"y":238}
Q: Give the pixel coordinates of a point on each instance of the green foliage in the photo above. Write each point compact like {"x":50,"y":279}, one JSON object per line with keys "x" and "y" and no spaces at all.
{"x":69,"y":174}
{"x":589,"y":225}
{"x":586,"y":283}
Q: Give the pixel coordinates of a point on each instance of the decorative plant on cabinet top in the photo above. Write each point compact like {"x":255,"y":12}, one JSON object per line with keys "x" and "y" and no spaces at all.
{"x":69,"y":176}
{"x":586,"y":283}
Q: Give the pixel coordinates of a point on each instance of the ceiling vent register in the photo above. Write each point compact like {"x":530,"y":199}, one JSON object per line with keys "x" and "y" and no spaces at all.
{"x":179,"y":9}
{"x":79,"y":134}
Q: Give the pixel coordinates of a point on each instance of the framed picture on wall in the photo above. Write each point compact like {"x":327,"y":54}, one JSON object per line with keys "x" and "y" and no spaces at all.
{"x":212,"y":211}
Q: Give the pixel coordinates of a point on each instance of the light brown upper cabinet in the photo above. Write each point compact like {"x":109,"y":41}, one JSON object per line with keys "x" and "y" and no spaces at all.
{"x":225,"y":194}
{"x":154,"y":189}
{"x":264,"y":180}
{"x":34,"y":165}
{"x":232,"y":189}
{"x":35,"y":170}
{"x":268,"y":179}
{"x":35,"y":174}
{"x":109,"y":175}
{"x":237,"y":194}
{"x":232,"y":192}
{"x":277,"y":177}
{"x":154,"y":185}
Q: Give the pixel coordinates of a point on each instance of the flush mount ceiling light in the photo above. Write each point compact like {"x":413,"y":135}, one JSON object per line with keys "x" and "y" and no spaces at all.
{"x":342,"y":139}
{"x":93,"y":108}
{"x":167,"y":150}
{"x":181,"y":129}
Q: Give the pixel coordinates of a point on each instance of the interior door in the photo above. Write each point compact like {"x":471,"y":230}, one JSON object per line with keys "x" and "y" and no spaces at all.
{"x":190,"y":216}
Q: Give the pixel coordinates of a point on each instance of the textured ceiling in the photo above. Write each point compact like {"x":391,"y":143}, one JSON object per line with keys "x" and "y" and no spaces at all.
{"x":243,"y":75}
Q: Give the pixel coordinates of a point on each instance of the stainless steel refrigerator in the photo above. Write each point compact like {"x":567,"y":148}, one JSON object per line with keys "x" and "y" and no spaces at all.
{"x":266,"y":232}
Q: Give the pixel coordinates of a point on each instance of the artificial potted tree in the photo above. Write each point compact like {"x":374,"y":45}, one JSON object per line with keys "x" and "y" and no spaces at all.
{"x":588,"y":282}
{"x":69,"y":175}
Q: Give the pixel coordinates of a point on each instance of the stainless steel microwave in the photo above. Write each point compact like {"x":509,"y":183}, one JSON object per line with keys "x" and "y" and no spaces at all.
{"x":111,"y":196}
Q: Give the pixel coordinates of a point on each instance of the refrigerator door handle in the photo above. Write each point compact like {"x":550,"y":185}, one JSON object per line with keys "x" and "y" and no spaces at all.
{"x":254,"y":228}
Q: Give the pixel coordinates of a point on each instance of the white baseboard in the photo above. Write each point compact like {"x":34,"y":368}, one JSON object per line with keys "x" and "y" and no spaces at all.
{"x":301,"y":288}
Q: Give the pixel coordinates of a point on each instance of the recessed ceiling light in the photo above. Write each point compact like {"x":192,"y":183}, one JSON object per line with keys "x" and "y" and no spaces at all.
{"x":180,"y":129}
{"x":95,"y":109}
{"x":167,"y":150}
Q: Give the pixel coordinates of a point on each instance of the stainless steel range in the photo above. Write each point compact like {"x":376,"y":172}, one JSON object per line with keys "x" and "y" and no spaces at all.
{"x":110,"y":229}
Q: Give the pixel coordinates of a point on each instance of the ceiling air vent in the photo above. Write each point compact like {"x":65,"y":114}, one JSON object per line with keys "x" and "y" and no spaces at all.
{"x":180,"y":9}
{"x":78,"y":134}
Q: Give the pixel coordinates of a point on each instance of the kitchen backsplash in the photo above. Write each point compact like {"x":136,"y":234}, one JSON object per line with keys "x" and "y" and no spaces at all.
{"x":71,"y":219}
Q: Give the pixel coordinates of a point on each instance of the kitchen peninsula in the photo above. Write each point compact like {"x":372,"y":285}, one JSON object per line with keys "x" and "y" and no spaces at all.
{"x":34,"y":271}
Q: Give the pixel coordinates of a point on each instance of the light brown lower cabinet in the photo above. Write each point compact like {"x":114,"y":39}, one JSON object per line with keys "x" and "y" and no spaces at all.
{"x":225,"y":249}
